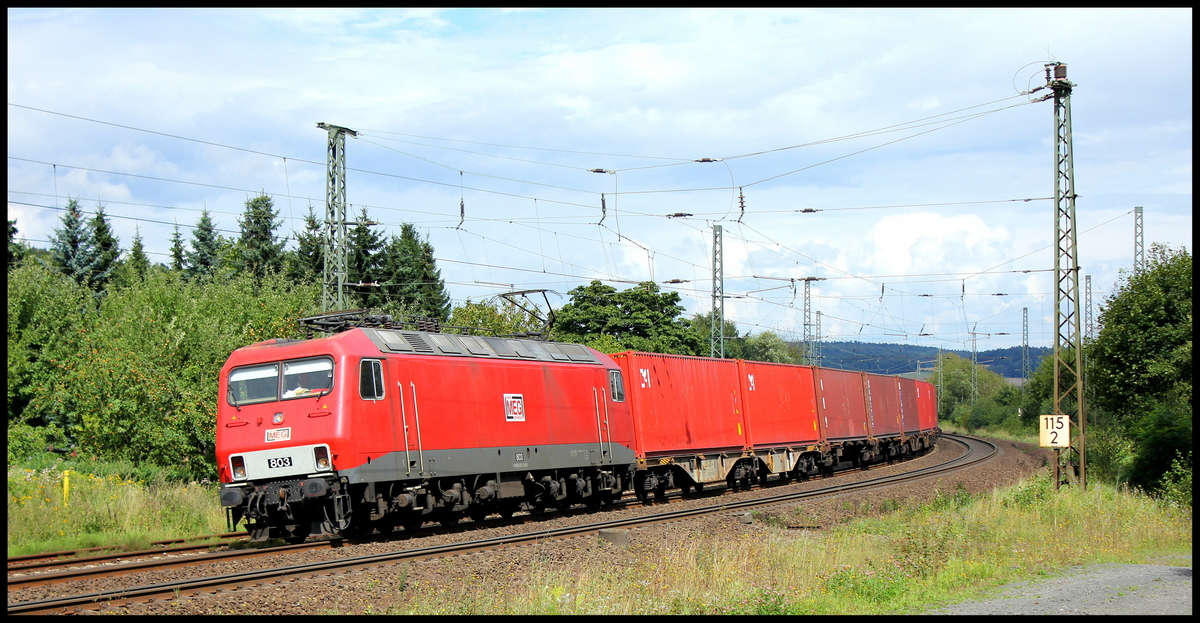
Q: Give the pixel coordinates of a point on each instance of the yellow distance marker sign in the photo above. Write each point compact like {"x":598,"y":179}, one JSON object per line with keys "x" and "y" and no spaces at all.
{"x":1055,"y":431}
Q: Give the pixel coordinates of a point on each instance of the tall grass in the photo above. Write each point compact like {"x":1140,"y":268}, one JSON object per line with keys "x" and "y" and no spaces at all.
{"x":908,"y":561}
{"x":56,"y":508}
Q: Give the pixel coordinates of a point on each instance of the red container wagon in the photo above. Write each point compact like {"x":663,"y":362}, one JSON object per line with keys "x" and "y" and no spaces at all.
{"x":377,"y":427}
{"x":883,"y":404}
{"x":927,"y":406}
{"x":841,"y":405}
{"x":688,"y":421}
{"x":927,"y":415}
{"x":781,"y":416}
{"x":910,"y":403}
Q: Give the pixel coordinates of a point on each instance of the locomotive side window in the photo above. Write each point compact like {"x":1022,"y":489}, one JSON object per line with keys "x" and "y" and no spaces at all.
{"x":616,"y":386}
{"x":370,"y":379}
{"x":307,"y":377}
{"x":254,"y":384}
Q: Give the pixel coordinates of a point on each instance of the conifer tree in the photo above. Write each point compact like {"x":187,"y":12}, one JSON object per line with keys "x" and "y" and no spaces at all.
{"x":307,"y":263}
{"x":16,"y":250}
{"x":177,"y":250}
{"x":71,"y":248}
{"x":412,"y":275}
{"x":137,"y":262}
{"x":258,"y":250}
{"x":364,"y":262}
{"x":107,"y":250}
{"x":205,"y":257}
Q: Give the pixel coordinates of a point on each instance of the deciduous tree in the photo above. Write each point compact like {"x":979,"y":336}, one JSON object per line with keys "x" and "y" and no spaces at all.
{"x":1140,"y":364}
{"x":639,"y":318}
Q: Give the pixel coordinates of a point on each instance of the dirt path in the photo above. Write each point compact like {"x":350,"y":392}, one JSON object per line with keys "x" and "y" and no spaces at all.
{"x":1093,"y":589}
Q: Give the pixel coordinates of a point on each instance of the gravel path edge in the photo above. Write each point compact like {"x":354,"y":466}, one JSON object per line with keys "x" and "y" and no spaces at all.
{"x":1111,"y":588}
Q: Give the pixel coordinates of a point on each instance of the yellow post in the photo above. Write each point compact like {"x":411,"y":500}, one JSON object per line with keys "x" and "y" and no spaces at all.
{"x":67,"y":488}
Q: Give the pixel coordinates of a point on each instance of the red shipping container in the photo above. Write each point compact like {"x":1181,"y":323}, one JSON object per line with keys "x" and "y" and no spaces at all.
{"x":884,"y":399}
{"x":927,"y":405}
{"x":910,"y":403}
{"x":841,"y":404}
{"x":780,"y":404}
{"x":683,"y":405}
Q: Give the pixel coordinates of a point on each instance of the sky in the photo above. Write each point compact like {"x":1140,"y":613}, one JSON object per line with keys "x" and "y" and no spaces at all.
{"x":902,"y":159}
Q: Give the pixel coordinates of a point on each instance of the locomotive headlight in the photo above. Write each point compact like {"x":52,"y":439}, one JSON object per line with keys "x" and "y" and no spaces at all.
{"x":321,"y":454}
{"x":278,"y":419}
{"x":239,"y":467}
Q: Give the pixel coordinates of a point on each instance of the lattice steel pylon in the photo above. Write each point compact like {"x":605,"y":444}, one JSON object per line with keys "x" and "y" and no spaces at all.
{"x":1139,"y":247}
{"x":1068,"y":343}
{"x":716,"y":342}
{"x":809,"y":350}
{"x":812,"y":350}
{"x":817,"y":342}
{"x":1026,"y":372}
{"x":1089,"y":332}
{"x":333,"y":278}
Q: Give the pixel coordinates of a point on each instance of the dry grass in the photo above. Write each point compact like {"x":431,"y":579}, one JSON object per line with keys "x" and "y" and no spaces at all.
{"x":908,"y":561}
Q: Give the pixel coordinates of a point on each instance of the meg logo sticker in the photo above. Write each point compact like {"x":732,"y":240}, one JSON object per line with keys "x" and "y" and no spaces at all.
{"x":278,"y":434}
{"x":514,"y":408}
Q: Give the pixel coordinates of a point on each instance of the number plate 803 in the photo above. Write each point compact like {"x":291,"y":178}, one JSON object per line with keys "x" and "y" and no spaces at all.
{"x":285,"y":461}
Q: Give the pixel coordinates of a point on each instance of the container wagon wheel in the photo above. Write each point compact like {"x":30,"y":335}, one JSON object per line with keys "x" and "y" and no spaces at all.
{"x":412,"y":524}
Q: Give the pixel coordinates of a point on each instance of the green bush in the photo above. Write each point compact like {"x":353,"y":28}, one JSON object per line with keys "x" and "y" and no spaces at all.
{"x":137,"y":380}
{"x":1176,"y":484}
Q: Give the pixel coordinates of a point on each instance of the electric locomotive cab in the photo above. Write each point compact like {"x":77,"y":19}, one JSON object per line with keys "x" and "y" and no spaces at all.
{"x":273,"y":434}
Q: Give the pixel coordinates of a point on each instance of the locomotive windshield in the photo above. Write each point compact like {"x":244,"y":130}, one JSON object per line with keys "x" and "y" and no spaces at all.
{"x":280,"y":381}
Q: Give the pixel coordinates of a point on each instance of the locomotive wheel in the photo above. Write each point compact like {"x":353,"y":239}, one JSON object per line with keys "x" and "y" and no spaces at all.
{"x":477,"y":513}
{"x":450,"y":520}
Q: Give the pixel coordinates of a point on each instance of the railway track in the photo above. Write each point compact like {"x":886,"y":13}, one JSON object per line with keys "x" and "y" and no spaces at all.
{"x":976,"y":451}
{"x":73,"y":565}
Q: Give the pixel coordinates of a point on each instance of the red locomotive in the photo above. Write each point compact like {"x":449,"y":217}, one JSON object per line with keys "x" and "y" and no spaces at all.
{"x":376,"y":426}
